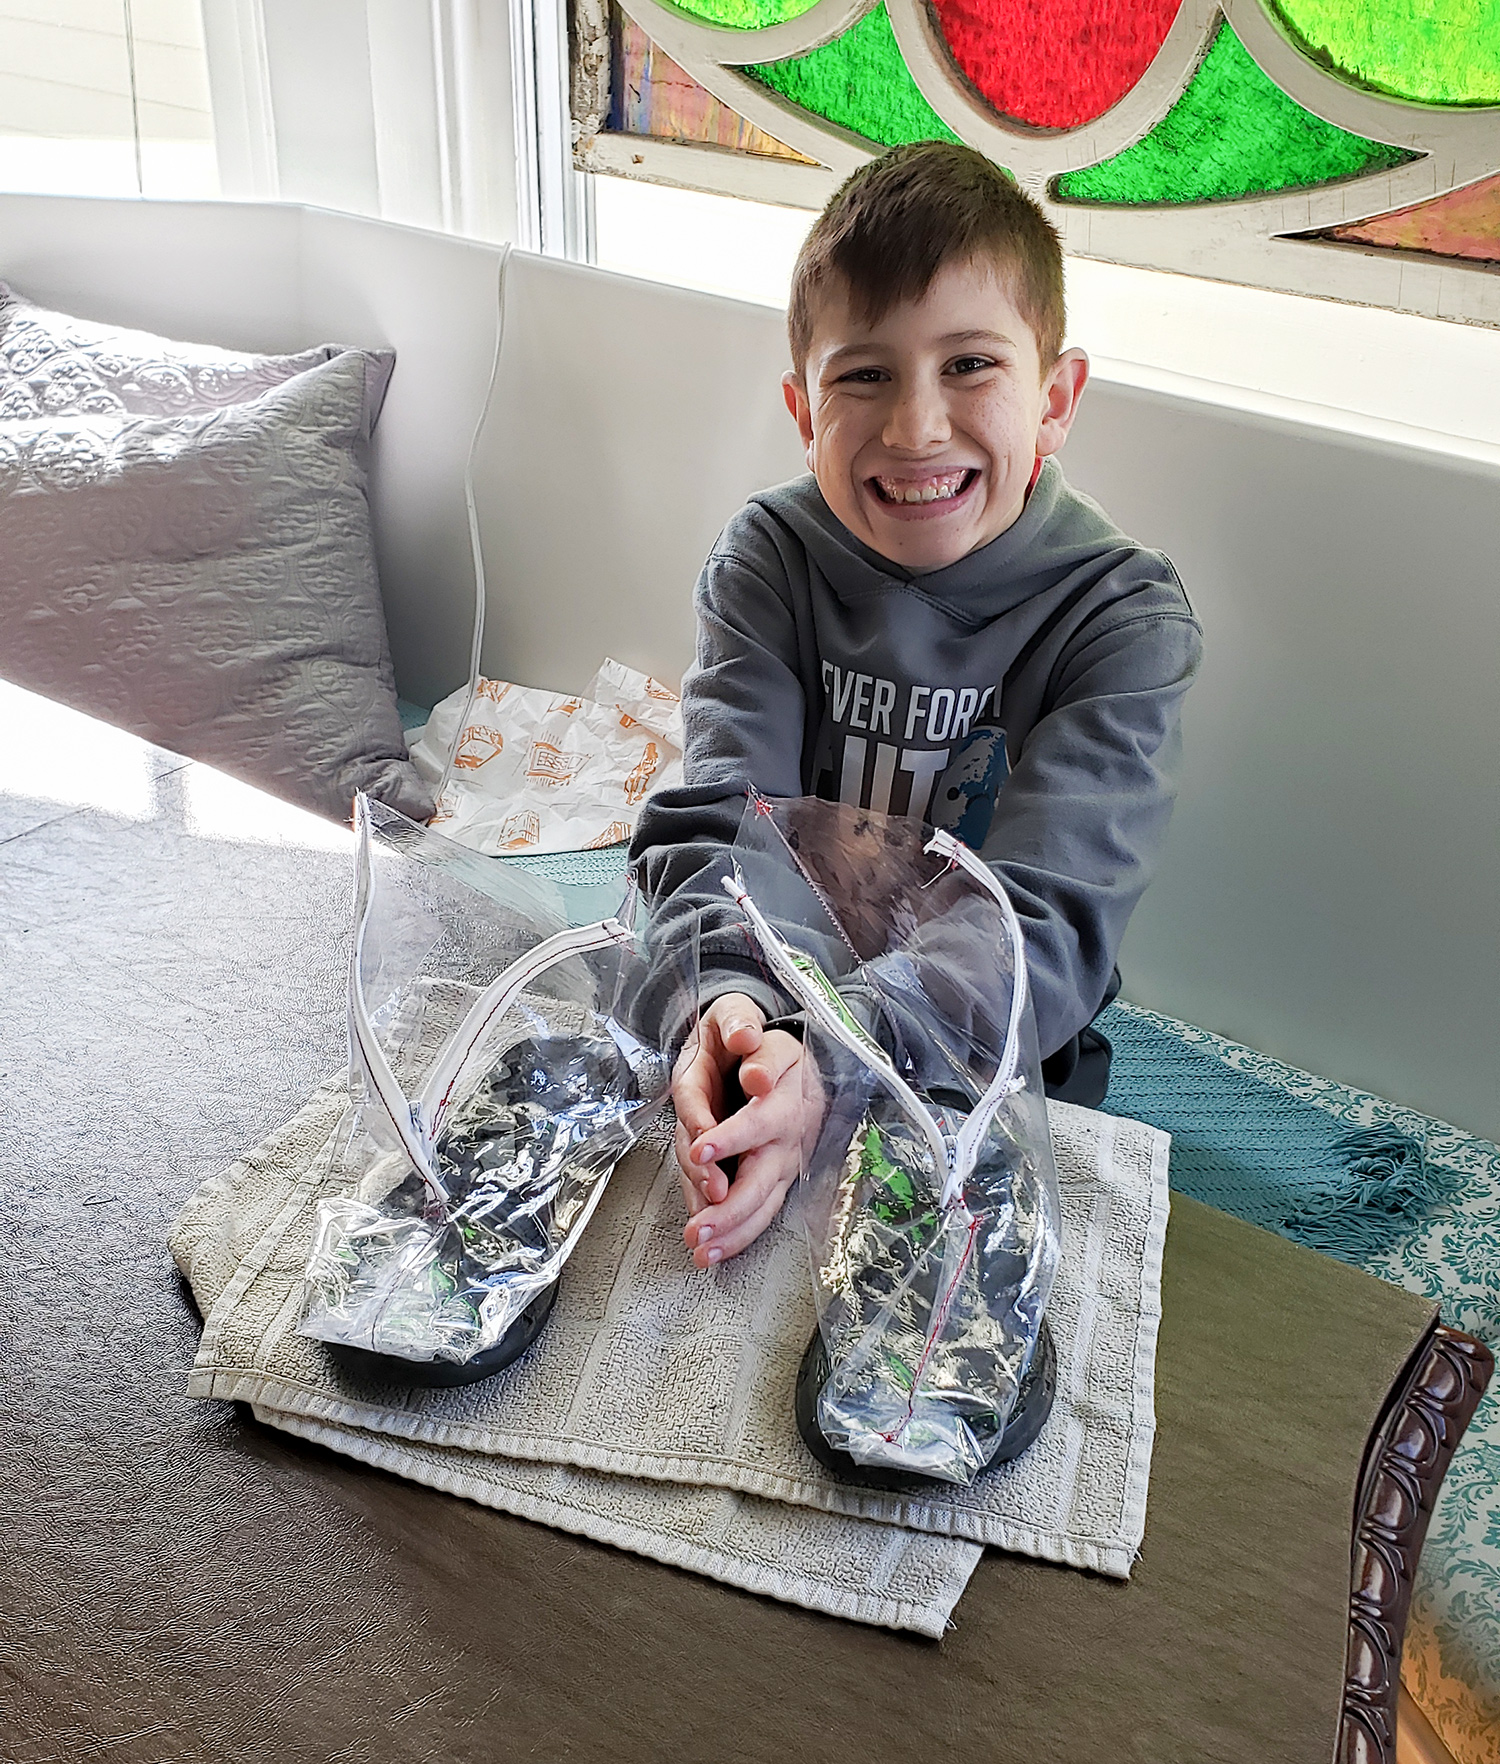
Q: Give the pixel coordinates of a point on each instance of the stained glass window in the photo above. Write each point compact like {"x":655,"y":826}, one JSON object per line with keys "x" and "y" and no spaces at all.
{"x":651,"y":95}
{"x":1448,"y":54}
{"x":746,"y":15}
{"x":1464,"y":223}
{"x":1058,"y":66}
{"x":1342,"y":147}
{"x":860,"y":82}
{"x":1231,"y":133}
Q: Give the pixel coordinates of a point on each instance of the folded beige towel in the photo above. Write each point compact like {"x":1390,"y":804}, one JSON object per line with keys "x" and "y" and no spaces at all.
{"x":656,"y":1388}
{"x":856,"y":1568}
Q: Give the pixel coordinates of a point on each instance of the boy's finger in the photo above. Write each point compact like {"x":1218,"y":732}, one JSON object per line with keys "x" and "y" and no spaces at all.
{"x":709,"y":1180}
{"x":743,"y":1132}
{"x":713,"y":1184}
{"x":695,"y":1115}
{"x":768,"y":1171}
{"x":697,"y":1090}
{"x":730,"y":1241}
{"x":764,"y":1070}
{"x":692,"y":1200}
{"x":762,"y":1121}
{"x":738,"y":1022}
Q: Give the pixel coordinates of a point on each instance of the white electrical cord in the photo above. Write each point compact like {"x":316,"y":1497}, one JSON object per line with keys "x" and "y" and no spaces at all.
{"x":476,"y":550}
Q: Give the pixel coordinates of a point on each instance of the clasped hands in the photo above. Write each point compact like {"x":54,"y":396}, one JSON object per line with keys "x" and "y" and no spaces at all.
{"x":768,"y":1134}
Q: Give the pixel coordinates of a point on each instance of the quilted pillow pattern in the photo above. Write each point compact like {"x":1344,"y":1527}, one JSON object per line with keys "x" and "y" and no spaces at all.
{"x":186,"y":551}
{"x":52,"y":364}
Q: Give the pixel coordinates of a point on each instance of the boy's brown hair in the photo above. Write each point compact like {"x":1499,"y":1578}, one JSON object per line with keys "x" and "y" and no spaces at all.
{"x":890,"y":227}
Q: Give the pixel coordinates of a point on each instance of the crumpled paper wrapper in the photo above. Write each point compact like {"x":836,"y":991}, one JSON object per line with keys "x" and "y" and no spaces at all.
{"x":540,"y":771}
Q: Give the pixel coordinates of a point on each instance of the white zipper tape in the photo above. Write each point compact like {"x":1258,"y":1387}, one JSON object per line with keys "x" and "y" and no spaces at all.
{"x":434,"y":1103}
{"x":811,"y":998}
{"x":372,"y":1056}
{"x":971,"y":1134}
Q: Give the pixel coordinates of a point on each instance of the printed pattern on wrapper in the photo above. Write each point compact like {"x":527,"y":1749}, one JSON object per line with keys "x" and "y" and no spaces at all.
{"x":536,"y":770}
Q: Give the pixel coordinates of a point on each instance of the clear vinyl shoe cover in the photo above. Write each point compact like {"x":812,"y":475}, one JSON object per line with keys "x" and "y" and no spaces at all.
{"x":929,"y":1193}
{"x":497,"y":1075}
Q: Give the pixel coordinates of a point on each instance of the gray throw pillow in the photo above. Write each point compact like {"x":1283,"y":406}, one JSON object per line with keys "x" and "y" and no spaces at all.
{"x":185,"y":550}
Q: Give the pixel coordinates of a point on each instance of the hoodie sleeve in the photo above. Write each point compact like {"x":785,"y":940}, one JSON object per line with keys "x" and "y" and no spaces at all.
{"x":744,"y":717}
{"x":1079,"y":824}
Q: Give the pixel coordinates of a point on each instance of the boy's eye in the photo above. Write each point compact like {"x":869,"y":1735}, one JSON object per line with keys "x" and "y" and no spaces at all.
{"x":865,"y":376}
{"x":971,"y":364}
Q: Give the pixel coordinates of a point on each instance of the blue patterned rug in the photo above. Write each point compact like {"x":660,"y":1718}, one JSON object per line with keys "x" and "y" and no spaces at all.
{"x":1246,"y":1141}
{"x":1388,"y":1189}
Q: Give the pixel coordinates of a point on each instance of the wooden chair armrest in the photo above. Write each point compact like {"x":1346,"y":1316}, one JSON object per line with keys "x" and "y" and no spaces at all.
{"x":1410,"y":1449}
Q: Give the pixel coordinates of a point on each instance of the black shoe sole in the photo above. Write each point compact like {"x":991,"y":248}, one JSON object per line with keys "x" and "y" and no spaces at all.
{"x":446,"y":1374}
{"x":1033,"y":1405}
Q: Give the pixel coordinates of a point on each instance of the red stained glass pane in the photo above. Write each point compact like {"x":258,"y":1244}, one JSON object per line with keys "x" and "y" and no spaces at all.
{"x":1054,"y":63}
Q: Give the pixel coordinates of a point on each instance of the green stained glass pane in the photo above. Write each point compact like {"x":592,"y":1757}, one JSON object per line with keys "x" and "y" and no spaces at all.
{"x":860,"y":82}
{"x":745,"y":15}
{"x":1432,"y":54}
{"x":1231,"y":133}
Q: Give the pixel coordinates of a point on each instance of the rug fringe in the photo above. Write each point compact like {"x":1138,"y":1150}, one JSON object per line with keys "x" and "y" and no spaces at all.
{"x":1383,"y":1187}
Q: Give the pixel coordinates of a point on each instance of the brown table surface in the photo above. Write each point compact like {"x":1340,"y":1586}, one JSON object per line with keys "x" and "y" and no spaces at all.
{"x":181,"y":1584}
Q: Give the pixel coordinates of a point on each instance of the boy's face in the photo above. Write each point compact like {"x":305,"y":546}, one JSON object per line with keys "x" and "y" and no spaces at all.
{"x":924,"y":428}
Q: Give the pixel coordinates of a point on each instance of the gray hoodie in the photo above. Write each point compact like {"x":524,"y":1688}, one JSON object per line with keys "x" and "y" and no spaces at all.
{"x":1026,"y":697}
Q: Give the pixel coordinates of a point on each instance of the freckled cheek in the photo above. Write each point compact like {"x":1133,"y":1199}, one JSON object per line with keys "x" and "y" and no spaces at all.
{"x":997,"y":416}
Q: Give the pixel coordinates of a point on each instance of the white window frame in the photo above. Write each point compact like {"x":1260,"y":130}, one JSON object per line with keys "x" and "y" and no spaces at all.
{"x":442,"y":121}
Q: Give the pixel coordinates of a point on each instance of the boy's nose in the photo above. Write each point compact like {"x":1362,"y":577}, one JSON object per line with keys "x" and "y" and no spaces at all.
{"x":918,"y":419}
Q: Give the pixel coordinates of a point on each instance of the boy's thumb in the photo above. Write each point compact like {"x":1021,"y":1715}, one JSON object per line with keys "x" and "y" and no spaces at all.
{"x":737,"y":1016}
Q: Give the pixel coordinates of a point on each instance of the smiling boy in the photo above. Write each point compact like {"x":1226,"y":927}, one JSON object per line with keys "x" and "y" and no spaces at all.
{"x":931,"y":624}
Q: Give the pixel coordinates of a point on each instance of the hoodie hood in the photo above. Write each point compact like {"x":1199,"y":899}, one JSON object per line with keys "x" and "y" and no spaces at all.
{"x":1056,"y":534}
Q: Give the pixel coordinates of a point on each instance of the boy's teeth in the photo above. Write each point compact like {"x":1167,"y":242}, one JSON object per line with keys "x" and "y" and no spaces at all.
{"x":927,"y":490}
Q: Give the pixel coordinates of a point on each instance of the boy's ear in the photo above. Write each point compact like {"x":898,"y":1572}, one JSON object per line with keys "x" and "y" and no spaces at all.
{"x":794,"y":391}
{"x":1061,"y":391}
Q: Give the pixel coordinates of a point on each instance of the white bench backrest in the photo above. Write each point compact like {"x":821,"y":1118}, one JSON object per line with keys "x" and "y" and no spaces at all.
{"x":1329,"y":892}
{"x":630,"y":421}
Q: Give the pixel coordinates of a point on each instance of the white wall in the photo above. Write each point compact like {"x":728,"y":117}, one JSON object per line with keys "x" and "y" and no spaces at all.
{"x":1330,"y":886}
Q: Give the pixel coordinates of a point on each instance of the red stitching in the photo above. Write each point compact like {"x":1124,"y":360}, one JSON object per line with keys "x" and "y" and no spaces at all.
{"x":937,"y":1329}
